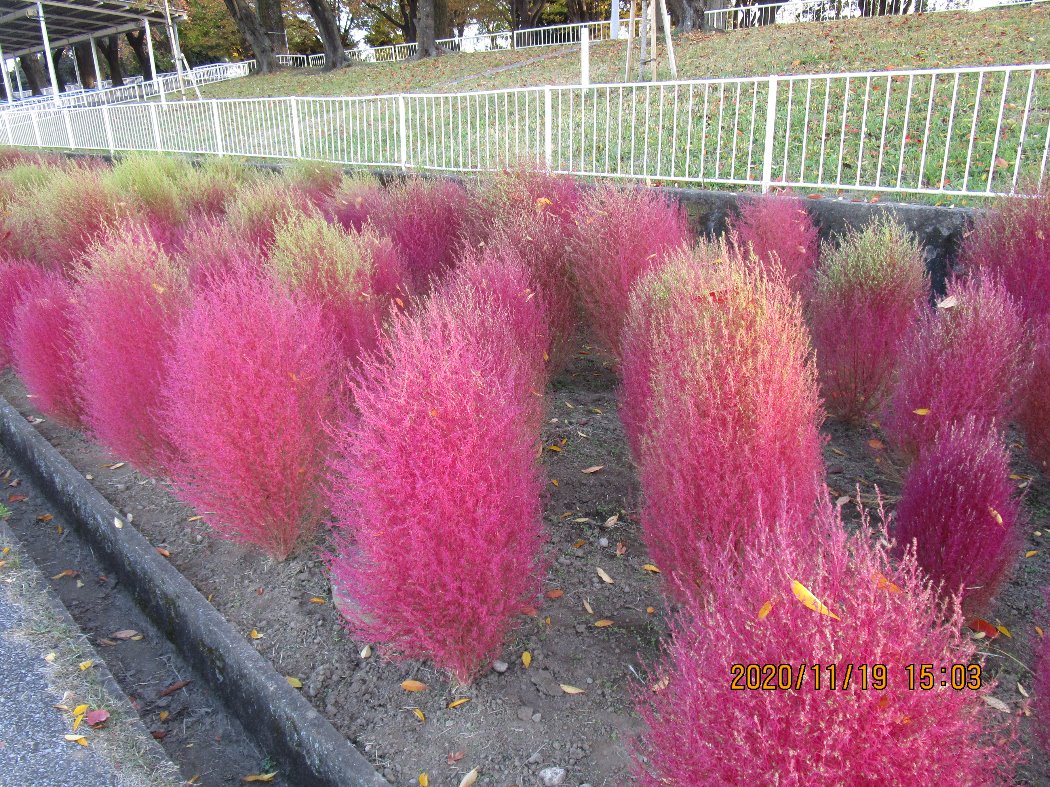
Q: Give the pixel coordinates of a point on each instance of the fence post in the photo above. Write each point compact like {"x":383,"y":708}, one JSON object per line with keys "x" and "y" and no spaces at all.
{"x":220,"y":148}
{"x":402,"y":130}
{"x":108,"y":123}
{"x":297,"y":135}
{"x":585,"y":55}
{"x":548,"y":137}
{"x":36,"y":128}
{"x":771,"y":119}
{"x":156,"y":125}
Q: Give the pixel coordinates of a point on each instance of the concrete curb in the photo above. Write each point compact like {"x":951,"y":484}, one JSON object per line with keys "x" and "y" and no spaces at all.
{"x":284,"y":723}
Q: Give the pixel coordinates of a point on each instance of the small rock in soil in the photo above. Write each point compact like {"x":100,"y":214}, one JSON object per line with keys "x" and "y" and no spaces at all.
{"x":552,"y":777}
{"x":500,"y":666}
{"x":525,"y":713}
{"x":603,"y":542}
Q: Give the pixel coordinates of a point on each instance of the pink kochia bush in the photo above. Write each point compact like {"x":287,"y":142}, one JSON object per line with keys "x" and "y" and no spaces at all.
{"x":779,"y":231}
{"x":509,"y":195}
{"x":1012,"y":241}
{"x":1035,"y":410}
{"x":966,"y":357}
{"x":436,"y":488}
{"x":621,"y":235}
{"x":720,"y":405}
{"x":352,"y":276}
{"x":702,"y":732}
{"x":958,"y":510}
{"x":129,"y":298}
{"x":17,"y":277}
{"x":863,"y":301}
{"x":43,"y":344}
{"x":425,"y":219}
{"x":1042,"y":680}
{"x":248,"y":397}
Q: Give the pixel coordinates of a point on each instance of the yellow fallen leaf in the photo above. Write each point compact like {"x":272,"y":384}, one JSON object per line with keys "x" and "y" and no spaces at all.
{"x":1004,"y":630}
{"x":86,"y":665}
{"x":587,"y":606}
{"x":470,"y":779}
{"x":80,"y":710}
{"x":526,"y":659}
{"x":197,"y":518}
{"x":418,"y":713}
{"x":1039,"y":631}
{"x":50,"y":657}
{"x":921,"y":411}
{"x":254,"y":634}
{"x":803,"y":594}
{"x":884,"y":584}
{"x":595,"y":469}
{"x":295,"y":683}
{"x":996,"y":516}
{"x":1031,"y":553}
{"x":603,"y":623}
{"x":457,"y":703}
{"x":571,"y":689}
{"x":413,"y":685}
{"x":317,"y":600}
{"x":554,"y":481}
{"x":77,"y":739}
{"x":424,"y":780}
{"x":260,"y":777}
{"x":650,"y":610}
{"x":163,"y":716}
{"x":605,"y":577}
{"x":650,"y":568}
{"x":765,"y":610}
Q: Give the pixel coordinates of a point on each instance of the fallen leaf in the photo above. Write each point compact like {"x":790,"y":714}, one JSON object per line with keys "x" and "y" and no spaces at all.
{"x":766,"y":608}
{"x":650,"y":610}
{"x":366,"y":652}
{"x":197,"y":518}
{"x":77,"y":739}
{"x":842,"y":500}
{"x":1004,"y":630}
{"x":67,"y":573}
{"x":605,"y":577}
{"x":259,"y":777}
{"x":996,"y":516}
{"x":45,"y":518}
{"x":948,"y":303}
{"x":650,"y":568}
{"x":174,"y":687}
{"x":526,"y":659}
{"x":295,"y":683}
{"x":254,"y":634}
{"x":163,"y":715}
{"x":982,"y":626}
{"x":117,"y":523}
{"x":803,"y":594}
{"x":317,"y":600}
{"x":578,"y":543}
{"x":571,"y":689}
{"x":1021,"y":690}
{"x":884,"y":584}
{"x":1031,"y":553}
{"x":556,"y":593}
{"x":96,"y":718}
{"x":455,"y":757}
{"x":1039,"y":631}
{"x":457,"y":703}
{"x":554,"y":481}
{"x":590,"y":470}
{"x":470,"y":779}
{"x":554,"y":448}
{"x":603,"y":623}
{"x":424,"y":780}
{"x":418,"y":713}
{"x":838,"y":451}
{"x":621,"y":549}
{"x":587,"y":606}
{"x":996,"y":703}
{"x":17,"y":498}
{"x":86,"y":665}
{"x":661,"y":684}
{"x":116,"y":466}
{"x":163,"y":552}
{"x":876,"y":443}
{"x":611,"y":521}
{"x":413,"y":685}
{"x":50,"y":657}
{"x":126,"y":634}
{"x":921,"y":411}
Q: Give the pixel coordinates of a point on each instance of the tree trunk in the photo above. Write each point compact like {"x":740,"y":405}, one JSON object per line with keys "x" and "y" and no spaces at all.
{"x":272,"y":21}
{"x":248,"y":23}
{"x":688,"y":15}
{"x":442,"y":20}
{"x":88,"y":77}
{"x":328,"y":28}
{"x":138,"y":46}
{"x":34,"y":74}
{"x":425,"y":38}
{"x":56,"y":57}
{"x":110,"y":49}
{"x":525,"y":13}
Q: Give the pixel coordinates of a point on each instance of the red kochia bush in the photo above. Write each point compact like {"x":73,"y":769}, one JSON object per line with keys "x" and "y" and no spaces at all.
{"x":779,"y":230}
{"x":967,"y":357}
{"x":505,"y":197}
{"x":1042,"y":681}
{"x":1035,"y":409}
{"x":864,"y":298}
{"x":958,"y":509}
{"x":702,"y":732}
{"x":213,"y":249}
{"x":424,"y":218}
{"x":1012,"y":242}
{"x":247,"y":401}
{"x":719,"y":403}
{"x":43,"y":347}
{"x":17,"y":277}
{"x":436,"y":489}
{"x":129,"y":298}
{"x":621,"y":235}
{"x":353,"y":202}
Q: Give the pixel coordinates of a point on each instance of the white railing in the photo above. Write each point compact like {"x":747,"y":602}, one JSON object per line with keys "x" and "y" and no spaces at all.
{"x":136,"y":89}
{"x":753,"y":13}
{"x":963,"y":131}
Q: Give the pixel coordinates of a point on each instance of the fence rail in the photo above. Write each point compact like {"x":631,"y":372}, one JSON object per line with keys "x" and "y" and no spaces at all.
{"x":964,"y":131}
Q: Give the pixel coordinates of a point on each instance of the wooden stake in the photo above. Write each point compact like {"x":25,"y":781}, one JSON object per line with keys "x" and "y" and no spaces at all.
{"x":667,"y":40}
{"x":630,"y":43}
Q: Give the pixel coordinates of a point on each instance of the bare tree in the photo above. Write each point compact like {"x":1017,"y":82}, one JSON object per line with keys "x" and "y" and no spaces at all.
{"x":110,"y":49}
{"x":252,"y":31}
{"x":272,"y":21}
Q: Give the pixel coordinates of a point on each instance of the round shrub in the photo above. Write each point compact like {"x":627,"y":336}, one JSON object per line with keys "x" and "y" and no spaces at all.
{"x":779,"y":231}
{"x":1035,"y":407}
{"x":17,"y":277}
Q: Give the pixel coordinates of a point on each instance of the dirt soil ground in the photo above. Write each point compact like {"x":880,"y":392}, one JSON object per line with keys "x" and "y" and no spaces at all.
{"x":519,"y":721}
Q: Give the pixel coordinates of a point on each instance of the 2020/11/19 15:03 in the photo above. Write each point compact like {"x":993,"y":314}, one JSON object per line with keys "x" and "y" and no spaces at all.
{"x":785,"y":677}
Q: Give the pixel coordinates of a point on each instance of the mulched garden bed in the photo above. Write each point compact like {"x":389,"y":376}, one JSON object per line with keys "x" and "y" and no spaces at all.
{"x":519,"y":720}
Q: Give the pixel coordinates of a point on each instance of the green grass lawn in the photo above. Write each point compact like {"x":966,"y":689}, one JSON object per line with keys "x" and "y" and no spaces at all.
{"x":994,"y":37}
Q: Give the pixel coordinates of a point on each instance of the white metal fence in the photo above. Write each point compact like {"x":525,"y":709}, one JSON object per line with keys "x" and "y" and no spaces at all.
{"x":964,"y":131}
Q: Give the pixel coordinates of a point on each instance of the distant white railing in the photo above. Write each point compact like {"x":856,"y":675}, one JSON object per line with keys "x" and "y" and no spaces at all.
{"x":137,"y":90}
{"x":953,"y":132}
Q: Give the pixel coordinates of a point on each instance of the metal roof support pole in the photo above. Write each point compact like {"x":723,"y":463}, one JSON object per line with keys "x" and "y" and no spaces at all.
{"x":47,"y":54}
{"x":94,"y":60}
{"x":7,"y":78}
{"x":153,"y":63}
{"x":76,"y":67}
{"x":18,"y":77}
